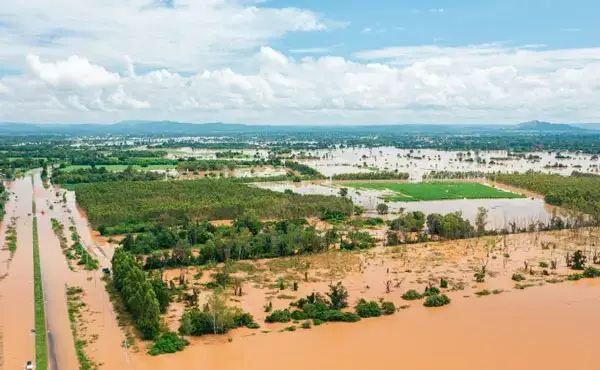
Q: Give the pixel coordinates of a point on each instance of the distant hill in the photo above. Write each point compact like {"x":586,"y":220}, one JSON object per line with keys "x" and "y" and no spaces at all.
{"x":172,"y":128}
{"x":546,"y":127}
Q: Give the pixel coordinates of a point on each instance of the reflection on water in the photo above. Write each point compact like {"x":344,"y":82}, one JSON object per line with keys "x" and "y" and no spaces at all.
{"x":501,"y":212}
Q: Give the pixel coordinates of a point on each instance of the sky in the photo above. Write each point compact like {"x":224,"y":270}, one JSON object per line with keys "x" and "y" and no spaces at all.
{"x":308,"y":62}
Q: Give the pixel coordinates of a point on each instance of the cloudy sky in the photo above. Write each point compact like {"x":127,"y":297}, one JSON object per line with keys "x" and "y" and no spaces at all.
{"x":300,"y":61}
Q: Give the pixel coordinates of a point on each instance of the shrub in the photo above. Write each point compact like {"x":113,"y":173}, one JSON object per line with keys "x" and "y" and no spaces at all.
{"x":317,"y":322}
{"x":518,"y":277}
{"x":290,"y":328}
{"x":299,"y":315}
{"x":544,"y":264}
{"x":483,"y":292}
{"x":279,"y":316}
{"x":437,"y":301}
{"x":305,"y":325}
{"x":591,"y":272}
{"x":253,"y":325}
{"x":575,"y":277}
{"x":168,"y":342}
{"x":243,"y":319}
{"x":366,"y":309}
{"x":388,"y":308}
{"x":444,"y":284}
{"x":578,"y":260}
{"x":411,"y":295}
{"x":338,"y":296}
{"x":429,"y":291}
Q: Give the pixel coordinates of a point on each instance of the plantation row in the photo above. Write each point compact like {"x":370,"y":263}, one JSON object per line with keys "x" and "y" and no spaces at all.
{"x":175,"y":202}
{"x":101,"y":174}
{"x":579,"y":193}
{"x":372,"y":175}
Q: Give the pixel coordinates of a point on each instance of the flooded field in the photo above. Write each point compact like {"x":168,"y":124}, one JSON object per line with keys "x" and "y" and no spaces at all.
{"x":501,"y":212}
{"x":420,"y":162}
{"x":520,"y":324}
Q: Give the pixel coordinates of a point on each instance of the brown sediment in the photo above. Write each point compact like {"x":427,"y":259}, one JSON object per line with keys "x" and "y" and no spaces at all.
{"x":456,"y":330}
{"x":16,"y":297}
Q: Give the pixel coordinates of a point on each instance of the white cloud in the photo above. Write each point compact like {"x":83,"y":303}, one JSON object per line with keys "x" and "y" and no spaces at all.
{"x":310,"y":51}
{"x":436,"y":10}
{"x":190,"y":36}
{"x":478,"y":83}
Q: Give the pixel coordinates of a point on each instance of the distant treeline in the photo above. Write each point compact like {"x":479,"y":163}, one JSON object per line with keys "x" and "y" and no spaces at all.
{"x":443,"y":175}
{"x":176,"y":202}
{"x":101,"y":174}
{"x":372,"y":175}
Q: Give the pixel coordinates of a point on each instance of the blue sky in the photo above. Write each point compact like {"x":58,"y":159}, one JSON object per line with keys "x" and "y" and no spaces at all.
{"x":287,"y":62}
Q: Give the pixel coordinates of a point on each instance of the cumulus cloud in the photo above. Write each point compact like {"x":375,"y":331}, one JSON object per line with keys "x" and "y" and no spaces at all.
{"x":479,"y":83}
{"x":185,"y":35}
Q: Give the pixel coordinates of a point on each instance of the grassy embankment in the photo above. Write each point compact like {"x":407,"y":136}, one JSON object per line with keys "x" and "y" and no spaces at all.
{"x":41,"y":349}
{"x":405,"y":192}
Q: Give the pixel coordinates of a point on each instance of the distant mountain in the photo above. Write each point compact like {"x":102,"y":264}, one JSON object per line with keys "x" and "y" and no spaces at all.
{"x":546,"y":127}
{"x":171,"y":128}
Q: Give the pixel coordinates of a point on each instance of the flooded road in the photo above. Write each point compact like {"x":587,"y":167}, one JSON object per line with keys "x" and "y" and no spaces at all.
{"x":547,"y":328}
{"x":16,"y":290}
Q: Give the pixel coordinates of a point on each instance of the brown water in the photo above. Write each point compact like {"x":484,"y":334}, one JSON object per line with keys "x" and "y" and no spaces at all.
{"x":546,"y":328}
{"x":16,"y":290}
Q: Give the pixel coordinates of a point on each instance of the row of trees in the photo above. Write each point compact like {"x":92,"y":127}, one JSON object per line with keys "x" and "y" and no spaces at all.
{"x":372,"y":175}
{"x":144,"y":296}
{"x":101,"y":174}
{"x":579,"y":193}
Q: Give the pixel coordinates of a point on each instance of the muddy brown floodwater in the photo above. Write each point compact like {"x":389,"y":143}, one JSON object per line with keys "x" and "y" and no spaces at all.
{"x":16,"y":290}
{"x":546,"y":328}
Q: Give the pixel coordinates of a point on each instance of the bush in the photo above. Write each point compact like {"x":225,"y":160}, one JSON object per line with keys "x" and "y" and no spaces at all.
{"x":290,"y":328}
{"x":243,"y":319}
{"x":483,"y":292}
{"x":388,"y":308}
{"x":279,"y":316}
{"x":366,"y":309}
{"x":437,"y":301}
{"x":444,"y":284}
{"x":168,"y":342}
{"x":575,"y":277}
{"x":544,"y":264}
{"x":253,"y":325}
{"x":591,"y":272}
{"x":518,"y":277}
{"x":299,"y":315}
{"x":578,"y":260}
{"x":429,"y":291}
{"x":338,"y":295}
{"x":412,"y":295}
{"x":317,"y":322}
{"x":305,"y":325}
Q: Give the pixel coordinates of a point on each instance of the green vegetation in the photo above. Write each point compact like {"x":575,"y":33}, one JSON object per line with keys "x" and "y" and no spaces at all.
{"x":86,"y":174}
{"x":75,"y":304}
{"x":247,"y":238}
{"x":366,"y":309}
{"x":412,"y":295}
{"x":10,"y":236}
{"x":41,"y":354}
{"x":174,"y":202}
{"x":137,"y":292}
{"x":116,"y":168}
{"x":168,"y":342}
{"x":372,"y":175}
{"x":577,"y":193}
{"x":436,"y":301}
{"x":304,"y":170}
{"x":405,"y":192}
{"x":518,"y":277}
{"x":216,"y":317}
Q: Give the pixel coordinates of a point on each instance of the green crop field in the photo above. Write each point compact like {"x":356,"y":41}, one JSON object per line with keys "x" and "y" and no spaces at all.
{"x":406,"y":192}
{"x":122,"y":167}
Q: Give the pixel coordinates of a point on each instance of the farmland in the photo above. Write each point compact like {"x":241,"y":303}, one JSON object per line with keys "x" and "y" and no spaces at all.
{"x":405,"y":192}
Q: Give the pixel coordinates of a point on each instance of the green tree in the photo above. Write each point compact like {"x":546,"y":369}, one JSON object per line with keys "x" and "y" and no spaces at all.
{"x":382,"y":208}
{"x":338,"y":295}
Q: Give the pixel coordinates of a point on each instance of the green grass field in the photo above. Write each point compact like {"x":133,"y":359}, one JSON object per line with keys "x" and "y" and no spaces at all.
{"x":407,"y":192}
{"x":121,"y":167}
{"x":41,"y":354}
